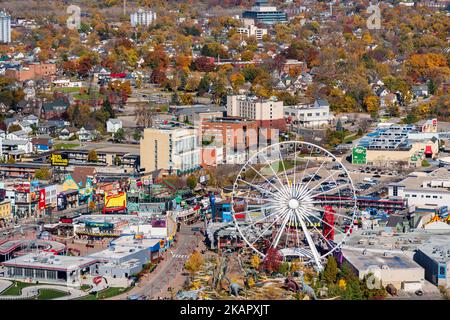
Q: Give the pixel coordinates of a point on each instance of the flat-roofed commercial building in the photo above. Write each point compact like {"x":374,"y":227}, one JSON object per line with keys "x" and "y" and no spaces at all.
{"x":390,"y":268}
{"x":262,"y":12}
{"x":47,"y":267}
{"x":424,"y":190}
{"x":434,"y":257}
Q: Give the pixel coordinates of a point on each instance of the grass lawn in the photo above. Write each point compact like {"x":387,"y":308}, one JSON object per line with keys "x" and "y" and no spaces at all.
{"x":86,"y":287}
{"x":16,"y":290}
{"x":86,"y":96}
{"x":68,"y":90}
{"x":48,"y":294}
{"x":107,"y":293}
{"x":65,"y":146}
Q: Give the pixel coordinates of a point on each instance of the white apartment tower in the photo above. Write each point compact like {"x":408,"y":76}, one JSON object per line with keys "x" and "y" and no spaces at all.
{"x":5,"y":27}
{"x":142,"y":17}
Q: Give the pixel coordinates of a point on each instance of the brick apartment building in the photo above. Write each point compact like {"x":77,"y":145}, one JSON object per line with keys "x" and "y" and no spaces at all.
{"x":33,"y":71}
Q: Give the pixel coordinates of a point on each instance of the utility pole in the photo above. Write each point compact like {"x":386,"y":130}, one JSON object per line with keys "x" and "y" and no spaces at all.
{"x":124,"y":7}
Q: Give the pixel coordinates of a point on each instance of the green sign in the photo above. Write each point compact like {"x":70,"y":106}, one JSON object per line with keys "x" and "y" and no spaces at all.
{"x":359,"y":155}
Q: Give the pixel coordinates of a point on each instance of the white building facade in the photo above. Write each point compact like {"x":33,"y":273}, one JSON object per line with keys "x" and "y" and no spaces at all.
{"x":142,"y":17}
{"x":310,"y":116}
{"x":5,"y":27}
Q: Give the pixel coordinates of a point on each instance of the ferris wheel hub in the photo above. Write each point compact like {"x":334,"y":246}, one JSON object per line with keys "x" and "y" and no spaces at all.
{"x":293,"y":203}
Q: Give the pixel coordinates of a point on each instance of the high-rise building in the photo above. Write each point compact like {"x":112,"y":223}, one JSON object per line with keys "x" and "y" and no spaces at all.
{"x":142,"y":17}
{"x":5,"y":27}
{"x":170,"y":147}
{"x":262,"y":12}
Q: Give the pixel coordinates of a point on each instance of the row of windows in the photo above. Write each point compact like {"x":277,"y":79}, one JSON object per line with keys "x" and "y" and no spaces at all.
{"x":407,"y":195}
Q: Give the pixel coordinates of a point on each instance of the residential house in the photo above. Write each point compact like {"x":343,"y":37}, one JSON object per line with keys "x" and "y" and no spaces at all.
{"x":42,"y":144}
{"x":419,"y":91}
{"x":67,"y":133}
{"x":113,"y":125}
{"x":86,"y":135}
{"x":54,"y":109}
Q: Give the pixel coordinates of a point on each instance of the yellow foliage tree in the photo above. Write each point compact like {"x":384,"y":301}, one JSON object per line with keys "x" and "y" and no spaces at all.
{"x":255,"y":261}
{"x":194,"y":263}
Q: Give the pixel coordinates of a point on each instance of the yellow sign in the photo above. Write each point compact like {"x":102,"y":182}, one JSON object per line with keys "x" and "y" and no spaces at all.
{"x":59,"y":160}
{"x":116,"y":200}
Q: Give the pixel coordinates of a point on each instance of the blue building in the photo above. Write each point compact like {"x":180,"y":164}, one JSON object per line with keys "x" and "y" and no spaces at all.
{"x":261,"y":12}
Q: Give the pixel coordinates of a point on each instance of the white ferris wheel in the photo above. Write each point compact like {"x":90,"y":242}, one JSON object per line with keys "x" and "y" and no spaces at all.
{"x":295,"y":197}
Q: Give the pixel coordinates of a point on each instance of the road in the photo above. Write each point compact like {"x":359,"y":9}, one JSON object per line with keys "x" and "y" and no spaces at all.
{"x":168,"y":272}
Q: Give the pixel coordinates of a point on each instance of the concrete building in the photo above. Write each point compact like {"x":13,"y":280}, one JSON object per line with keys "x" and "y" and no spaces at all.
{"x":316,"y":115}
{"x":262,"y":12}
{"x":434,"y":257}
{"x":252,"y":31}
{"x":170,"y":147}
{"x":142,"y":17}
{"x":389,"y":268}
{"x":5,"y":27}
{"x":424,"y":190}
{"x":267,"y":112}
{"x":49,"y":268}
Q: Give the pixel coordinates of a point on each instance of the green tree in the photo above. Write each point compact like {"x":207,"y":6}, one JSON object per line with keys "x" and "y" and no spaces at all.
{"x":191,"y":182}
{"x":119,"y":135}
{"x":331,"y":270}
{"x":42,"y":174}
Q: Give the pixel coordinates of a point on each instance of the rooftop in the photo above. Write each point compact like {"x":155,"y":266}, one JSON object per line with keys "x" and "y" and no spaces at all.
{"x":47,"y":260}
{"x":366,"y":259}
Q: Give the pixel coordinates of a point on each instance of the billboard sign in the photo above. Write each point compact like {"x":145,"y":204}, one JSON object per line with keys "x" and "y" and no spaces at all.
{"x":59,"y":160}
{"x":42,"y":199}
{"x":359,"y":155}
{"x":116,"y":200}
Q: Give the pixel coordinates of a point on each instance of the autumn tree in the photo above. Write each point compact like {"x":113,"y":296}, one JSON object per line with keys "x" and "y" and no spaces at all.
{"x":194,"y":263}
{"x":92,"y":156}
{"x":191,"y":182}
{"x":42,"y":174}
{"x":272,"y":260}
{"x":372,"y":105}
{"x":331,"y":270}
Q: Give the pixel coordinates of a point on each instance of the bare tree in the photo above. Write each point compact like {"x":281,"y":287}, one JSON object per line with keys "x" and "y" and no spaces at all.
{"x":144,"y":115}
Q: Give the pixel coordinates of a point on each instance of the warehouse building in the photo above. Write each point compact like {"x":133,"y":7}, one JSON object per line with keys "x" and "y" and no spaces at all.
{"x":390,"y":268}
{"x":434,"y":257}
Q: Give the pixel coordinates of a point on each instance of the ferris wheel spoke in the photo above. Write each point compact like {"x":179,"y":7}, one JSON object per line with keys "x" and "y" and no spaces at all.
{"x":277,"y":189}
{"x":284,"y":168}
{"x":312,"y":224}
{"x":295,"y":167}
{"x":305,"y":190}
{"x":280,"y":232}
{"x":322,"y":181}
{"x":261,"y":220}
{"x":274,"y":173}
{"x":260,"y":188}
{"x":329,"y":225}
{"x":307,"y":162}
{"x":334,"y":213}
{"x":332,"y":189}
{"x":265,"y":230}
{"x":311,"y":243}
{"x":296,"y":229}
{"x":256,"y":199}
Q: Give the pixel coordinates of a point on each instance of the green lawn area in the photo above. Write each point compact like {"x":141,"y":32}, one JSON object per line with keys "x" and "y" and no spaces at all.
{"x":68,"y":90}
{"x":48,"y":294}
{"x":107,"y":293}
{"x":16,"y":290}
{"x":86,"y":96}
{"x":85,"y":287}
{"x":65,"y":146}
